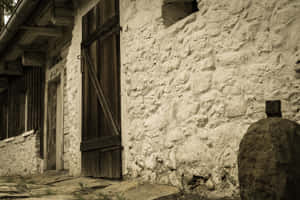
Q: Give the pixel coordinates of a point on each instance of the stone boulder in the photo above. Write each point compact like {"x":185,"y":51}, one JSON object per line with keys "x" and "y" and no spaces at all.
{"x":269,"y":161}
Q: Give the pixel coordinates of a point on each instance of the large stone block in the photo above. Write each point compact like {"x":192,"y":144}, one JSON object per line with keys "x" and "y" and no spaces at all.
{"x":269,"y":161}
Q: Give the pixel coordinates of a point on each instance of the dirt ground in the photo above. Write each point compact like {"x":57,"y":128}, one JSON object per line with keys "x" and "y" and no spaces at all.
{"x":181,"y":196}
{"x":60,"y":186}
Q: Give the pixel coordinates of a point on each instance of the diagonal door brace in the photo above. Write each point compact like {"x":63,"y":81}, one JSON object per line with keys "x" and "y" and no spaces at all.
{"x":99,"y":92}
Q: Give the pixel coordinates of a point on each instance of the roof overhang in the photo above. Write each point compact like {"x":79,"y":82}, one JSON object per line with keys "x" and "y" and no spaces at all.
{"x":22,"y":11}
{"x":33,"y":25}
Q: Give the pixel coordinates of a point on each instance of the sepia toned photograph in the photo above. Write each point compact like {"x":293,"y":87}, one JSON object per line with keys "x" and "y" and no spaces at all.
{"x":149,"y":99}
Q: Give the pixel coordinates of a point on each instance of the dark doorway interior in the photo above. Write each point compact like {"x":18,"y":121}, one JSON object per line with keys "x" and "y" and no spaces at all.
{"x":54,"y":124}
{"x":51,"y":120}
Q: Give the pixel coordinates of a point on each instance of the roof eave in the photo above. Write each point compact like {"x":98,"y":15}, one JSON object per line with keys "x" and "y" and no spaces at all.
{"x":22,"y":11}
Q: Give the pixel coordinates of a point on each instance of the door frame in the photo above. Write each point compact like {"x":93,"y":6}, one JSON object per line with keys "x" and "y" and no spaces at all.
{"x":55,"y":76}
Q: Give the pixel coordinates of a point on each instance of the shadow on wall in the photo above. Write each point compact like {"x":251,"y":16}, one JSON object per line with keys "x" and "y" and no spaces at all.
{"x":175,"y":10}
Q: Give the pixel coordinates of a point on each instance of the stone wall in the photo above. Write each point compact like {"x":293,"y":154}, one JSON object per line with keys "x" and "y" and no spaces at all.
{"x":20,"y":155}
{"x":190,"y":90}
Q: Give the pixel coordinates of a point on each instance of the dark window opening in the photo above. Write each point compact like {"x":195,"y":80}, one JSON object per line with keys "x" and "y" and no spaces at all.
{"x":16,"y":107}
{"x":175,"y":10}
{"x":21,"y":104}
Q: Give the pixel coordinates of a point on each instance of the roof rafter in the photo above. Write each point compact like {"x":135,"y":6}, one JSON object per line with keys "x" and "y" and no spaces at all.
{"x":43,"y":31}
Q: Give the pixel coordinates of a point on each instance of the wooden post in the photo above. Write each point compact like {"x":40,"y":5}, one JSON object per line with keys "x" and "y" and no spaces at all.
{"x":59,"y":127}
{"x":1,"y":18}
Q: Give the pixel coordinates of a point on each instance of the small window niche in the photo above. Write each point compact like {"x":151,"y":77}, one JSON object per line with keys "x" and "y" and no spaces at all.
{"x":175,"y":10}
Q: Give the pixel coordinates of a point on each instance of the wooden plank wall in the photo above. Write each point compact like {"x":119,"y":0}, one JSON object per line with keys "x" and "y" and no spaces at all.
{"x":34,"y":81}
{"x":13,"y":104}
{"x":35,"y":86}
{"x":16,"y":107}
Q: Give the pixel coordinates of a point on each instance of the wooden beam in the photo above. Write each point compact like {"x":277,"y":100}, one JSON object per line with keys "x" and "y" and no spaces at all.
{"x":62,"y":11}
{"x":10,"y":69}
{"x":33,"y":59}
{"x":35,"y":48}
{"x":18,"y":49}
{"x":27,"y":39}
{"x":62,"y":16}
{"x":12,"y":53}
{"x":62,"y":20}
{"x":31,"y":33}
{"x":63,"y":3}
{"x":43,"y":31}
{"x":5,"y":73}
{"x":14,"y":65}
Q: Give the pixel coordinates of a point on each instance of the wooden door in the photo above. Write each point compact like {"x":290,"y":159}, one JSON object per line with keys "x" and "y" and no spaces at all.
{"x":101,"y":135}
{"x":55,"y":123}
{"x":51,"y":126}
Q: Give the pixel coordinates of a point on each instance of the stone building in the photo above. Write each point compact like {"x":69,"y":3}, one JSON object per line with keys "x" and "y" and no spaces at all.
{"x":162,"y":90}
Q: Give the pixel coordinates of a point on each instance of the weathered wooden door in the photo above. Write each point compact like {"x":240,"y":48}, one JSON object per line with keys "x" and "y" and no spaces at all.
{"x":55,"y":121}
{"x":101,"y":135}
{"x":51,"y":126}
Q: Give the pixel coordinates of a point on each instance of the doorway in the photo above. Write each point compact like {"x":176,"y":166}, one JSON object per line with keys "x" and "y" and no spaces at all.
{"x":54,"y":151}
{"x":101,"y":132}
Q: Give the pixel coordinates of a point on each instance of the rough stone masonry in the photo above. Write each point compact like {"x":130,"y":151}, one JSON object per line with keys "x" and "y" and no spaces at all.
{"x":190,"y":90}
{"x":20,"y":154}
